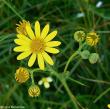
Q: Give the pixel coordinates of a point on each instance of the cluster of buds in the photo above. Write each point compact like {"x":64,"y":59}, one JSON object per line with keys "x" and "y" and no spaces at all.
{"x":92,"y":57}
{"x":22,"y":75}
{"x":90,"y":39}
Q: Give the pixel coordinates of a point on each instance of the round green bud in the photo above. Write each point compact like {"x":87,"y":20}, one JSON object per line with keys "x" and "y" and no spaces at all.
{"x":93,"y":58}
{"x":85,"y":54}
{"x":79,"y":36}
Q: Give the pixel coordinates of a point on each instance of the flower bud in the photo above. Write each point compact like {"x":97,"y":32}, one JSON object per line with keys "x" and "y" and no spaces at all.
{"x":21,"y":75}
{"x":21,"y":27}
{"x":34,"y":91}
{"x":85,"y":54}
{"x":93,"y":58}
{"x":79,"y":36}
{"x":92,"y":39}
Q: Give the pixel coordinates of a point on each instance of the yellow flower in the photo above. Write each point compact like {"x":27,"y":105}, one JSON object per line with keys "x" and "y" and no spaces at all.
{"x":37,"y":45}
{"x":21,"y":75}
{"x":34,"y":91}
{"x":92,"y":38}
{"x":45,"y":81}
{"x":21,"y":29}
{"x":108,"y":106}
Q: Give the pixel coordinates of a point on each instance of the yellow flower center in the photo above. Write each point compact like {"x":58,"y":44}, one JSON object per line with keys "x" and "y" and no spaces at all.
{"x":93,"y":36}
{"x":44,"y":80}
{"x":37,"y":45}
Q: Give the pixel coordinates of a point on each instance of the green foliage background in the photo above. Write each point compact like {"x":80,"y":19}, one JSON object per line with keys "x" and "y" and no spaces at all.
{"x":90,"y":84}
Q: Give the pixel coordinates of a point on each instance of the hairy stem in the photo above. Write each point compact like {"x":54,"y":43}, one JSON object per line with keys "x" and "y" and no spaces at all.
{"x":72,"y":56}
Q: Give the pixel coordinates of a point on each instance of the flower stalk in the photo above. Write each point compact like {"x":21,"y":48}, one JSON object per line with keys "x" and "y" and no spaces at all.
{"x":73,"y":55}
{"x":32,"y":78}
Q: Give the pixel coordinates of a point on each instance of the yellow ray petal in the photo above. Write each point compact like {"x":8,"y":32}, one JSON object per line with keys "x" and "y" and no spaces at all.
{"x":21,"y":48}
{"x":47,"y":58}
{"x":22,"y":42}
{"x":50,"y":36}
{"x":32,"y":59}
{"x":53,"y":43}
{"x":29,"y":31}
{"x":23,"y":55}
{"x":52,"y":50}
{"x":23,"y":37}
{"x":45,"y":31}
{"x":40,"y":61}
{"x":37,"y":29}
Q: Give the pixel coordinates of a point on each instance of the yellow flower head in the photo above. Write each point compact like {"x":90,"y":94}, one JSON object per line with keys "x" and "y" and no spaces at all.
{"x":34,"y":91}
{"x":108,"y":106}
{"x":21,"y":75}
{"x":21,"y":29}
{"x":92,"y":38}
{"x":79,"y":36}
{"x":45,"y":81}
{"x":36,"y":45}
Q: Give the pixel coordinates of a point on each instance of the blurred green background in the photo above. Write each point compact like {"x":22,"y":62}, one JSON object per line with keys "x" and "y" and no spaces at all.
{"x":89,"y":83}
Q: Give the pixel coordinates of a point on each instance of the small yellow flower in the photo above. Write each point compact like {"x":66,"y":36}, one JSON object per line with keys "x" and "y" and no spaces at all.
{"x":108,"y":106}
{"x":21,"y":75}
{"x":21,"y":29}
{"x":34,"y":91}
{"x":45,"y":81}
{"x":79,"y":36}
{"x":37,"y":45}
{"x":92,"y":38}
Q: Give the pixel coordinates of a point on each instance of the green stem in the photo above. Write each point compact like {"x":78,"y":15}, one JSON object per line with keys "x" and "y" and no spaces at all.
{"x":101,"y":95}
{"x":69,"y":60}
{"x":36,"y":69}
{"x":31,"y":73}
{"x":32,"y":77}
{"x":70,"y":94}
{"x":72,"y":56}
{"x":72,"y":97}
